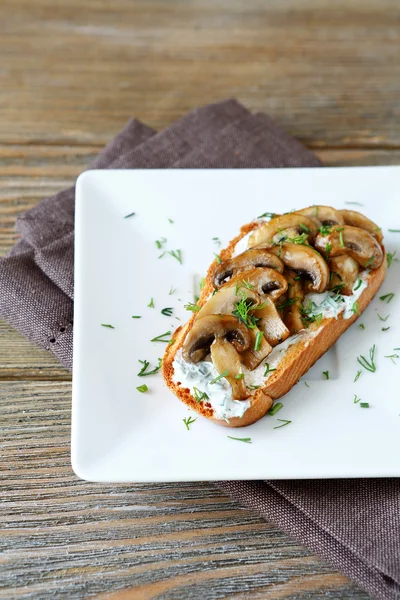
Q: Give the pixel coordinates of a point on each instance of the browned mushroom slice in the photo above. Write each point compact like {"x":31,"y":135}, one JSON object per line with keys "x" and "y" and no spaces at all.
{"x":344,"y":272}
{"x":264,"y":282}
{"x":306,"y":261}
{"x":206,"y":329}
{"x":256,"y":257}
{"x":356,"y":242}
{"x":290,"y":225}
{"x":227,"y":297}
{"x":226,"y":359}
{"x":356,"y":219}
{"x":251,"y":358}
{"x":291,"y":307}
{"x":271,"y":324}
{"x":322,"y":215}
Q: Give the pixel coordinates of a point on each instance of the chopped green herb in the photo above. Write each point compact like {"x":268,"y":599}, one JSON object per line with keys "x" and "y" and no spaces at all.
{"x":326,"y":373}
{"x":202,"y":283}
{"x":355,"y":309}
{"x":392,"y":357}
{"x":142,"y":388}
{"x":357,"y":203}
{"x":146,"y":364}
{"x":217,"y":241}
{"x":368,"y":365}
{"x":159,"y":243}
{"x":196,"y":299}
{"x":385,"y":328}
{"x":336,"y":289}
{"x":364,"y":404}
{"x":390,"y":257}
{"x":341,"y":240}
{"x":239,"y":376}
{"x":159,"y":338}
{"x":252,"y":387}
{"x":136,"y":317}
{"x":131,"y":215}
{"x":357,"y":376}
{"x":221,"y":376}
{"x":396,"y":348}
{"x":356,"y":399}
{"x":361,"y":325}
{"x":151,"y":303}
{"x":176,"y":254}
{"x":189,"y":421}
{"x":268,"y":370}
{"x":328,"y":249}
{"x":171,"y":341}
{"x":192,"y":307}
{"x":299,"y":239}
{"x":369,"y":262}
{"x":107,"y":325}
{"x":270,"y":215}
{"x":288,"y":302}
{"x":170,"y":220}
{"x":218,"y":258}
{"x":387,"y":298}
{"x":199,"y":395}
{"x":359,"y":282}
{"x":325,"y":230}
{"x":297,"y":277}
{"x":167,"y":311}
{"x":316,"y":210}
{"x":284,"y":423}
{"x":257,"y":343}
{"x":275,"y":408}
{"x":245,"y":440}
{"x":242,"y":312}
{"x":305,"y":383}
{"x":394,"y":230}
{"x":304,"y":228}
{"x":172,"y":291}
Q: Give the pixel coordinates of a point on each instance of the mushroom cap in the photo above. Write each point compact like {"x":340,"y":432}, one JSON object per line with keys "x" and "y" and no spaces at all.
{"x":265,"y":282}
{"x":323,"y":215}
{"x":356,"y":242}
{"x":344,"y":273}
{"x":356,"y":219}
{"x":206,"y":329}
{"x":296,"y":224}
{"x":250,"y":259}
{"x":223,"y":302}
{"x":306,"y":261}
{"x":226,"y":358}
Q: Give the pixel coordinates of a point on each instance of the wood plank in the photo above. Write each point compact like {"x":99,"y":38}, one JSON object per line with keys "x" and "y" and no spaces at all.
{"x":75,"y":71}
{"x":73,"y":539}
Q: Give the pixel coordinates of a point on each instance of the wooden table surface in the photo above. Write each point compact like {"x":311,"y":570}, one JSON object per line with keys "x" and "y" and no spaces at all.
{"x":71,"y":73}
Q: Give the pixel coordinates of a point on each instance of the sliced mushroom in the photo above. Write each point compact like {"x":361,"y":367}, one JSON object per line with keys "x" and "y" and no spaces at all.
{"x":256,"y":257}
{"x":356,"y":242}
{"x":224,"y":302}
{"x":264,"y":282}
{"x":226,"y":358}
{"x":356,"y":219}
{"x":291,"y":225}
{"x":252,"y":358}
{"x":306,"y":261}
{"x":344,"y":272}
{"x":291,"y":308}
{"x":271,"y":324}
{"x":205,"y":330}
{"x":323,"y":215}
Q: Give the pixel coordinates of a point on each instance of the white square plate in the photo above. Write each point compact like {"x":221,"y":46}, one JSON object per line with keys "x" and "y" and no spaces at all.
{"x":120,"y":434}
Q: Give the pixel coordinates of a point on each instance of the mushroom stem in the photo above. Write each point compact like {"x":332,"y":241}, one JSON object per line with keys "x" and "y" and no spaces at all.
{"x":295,"y":296}
{"x":252,"y":358}
{"x":225,"y":358}
{"x":271,"y":324}
{"x":344,"y":272}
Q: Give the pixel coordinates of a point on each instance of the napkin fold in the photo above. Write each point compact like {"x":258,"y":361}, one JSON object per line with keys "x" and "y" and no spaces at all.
{"x":354,"y":524}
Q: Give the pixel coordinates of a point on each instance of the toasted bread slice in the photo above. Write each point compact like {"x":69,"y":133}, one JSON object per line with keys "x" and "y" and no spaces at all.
{"x":309,"y":346}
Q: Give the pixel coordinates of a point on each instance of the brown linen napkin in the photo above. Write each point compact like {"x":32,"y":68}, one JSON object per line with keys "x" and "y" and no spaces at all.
{"x":354,"y":524}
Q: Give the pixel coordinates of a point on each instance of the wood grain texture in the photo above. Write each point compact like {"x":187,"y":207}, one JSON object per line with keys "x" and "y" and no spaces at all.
{"x":75,"y":71}
{"x":71,"y":74}
{"x":65,"y":538}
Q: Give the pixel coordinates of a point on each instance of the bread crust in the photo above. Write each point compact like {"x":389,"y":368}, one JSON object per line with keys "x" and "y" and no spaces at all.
{"x":298,"y":359}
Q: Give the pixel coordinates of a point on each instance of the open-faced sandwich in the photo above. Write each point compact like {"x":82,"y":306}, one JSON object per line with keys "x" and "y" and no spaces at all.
{"x":272,"y":304}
